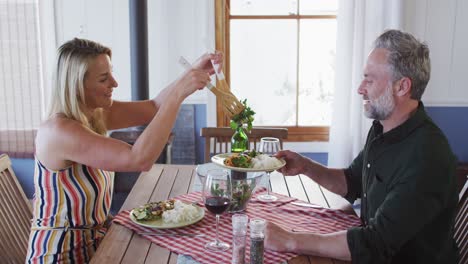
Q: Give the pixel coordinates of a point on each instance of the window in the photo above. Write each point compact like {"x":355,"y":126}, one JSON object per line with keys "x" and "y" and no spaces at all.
{"x":280,"y":55}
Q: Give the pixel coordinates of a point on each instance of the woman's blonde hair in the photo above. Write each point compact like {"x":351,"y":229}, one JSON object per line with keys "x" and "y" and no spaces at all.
{"x":68,"y":97}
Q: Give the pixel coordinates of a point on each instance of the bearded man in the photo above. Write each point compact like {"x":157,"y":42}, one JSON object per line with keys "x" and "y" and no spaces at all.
{"x":405,"y":174}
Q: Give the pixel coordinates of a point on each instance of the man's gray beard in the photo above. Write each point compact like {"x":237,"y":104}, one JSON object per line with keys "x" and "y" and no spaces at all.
{"x":383,"y":107}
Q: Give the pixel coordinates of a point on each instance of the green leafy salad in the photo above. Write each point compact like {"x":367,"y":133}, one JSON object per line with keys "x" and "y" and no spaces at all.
{"x":244,"y":117}
{"x":241,"y":160}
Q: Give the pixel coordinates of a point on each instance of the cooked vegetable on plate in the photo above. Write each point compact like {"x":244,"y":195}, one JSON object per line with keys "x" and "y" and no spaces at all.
{"x":252,"y":159}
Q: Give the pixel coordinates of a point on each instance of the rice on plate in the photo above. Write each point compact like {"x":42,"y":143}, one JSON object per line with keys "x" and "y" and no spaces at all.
{"x":263,"y":161}
{"x":181,"y":213}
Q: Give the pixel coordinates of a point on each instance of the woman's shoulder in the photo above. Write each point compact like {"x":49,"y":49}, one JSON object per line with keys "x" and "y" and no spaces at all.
{"x":54,"y":126}
{"x":52,"y":139}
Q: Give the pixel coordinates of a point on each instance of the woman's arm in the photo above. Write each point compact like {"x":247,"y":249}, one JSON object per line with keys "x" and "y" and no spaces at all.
{"x":128,"y":114}
{"x":137,"y":113}
{"x":63,"y":140}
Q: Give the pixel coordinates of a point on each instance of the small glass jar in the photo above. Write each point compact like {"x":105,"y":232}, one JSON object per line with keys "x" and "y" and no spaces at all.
{"x":257,"y":237}
{"x":239,"y":233}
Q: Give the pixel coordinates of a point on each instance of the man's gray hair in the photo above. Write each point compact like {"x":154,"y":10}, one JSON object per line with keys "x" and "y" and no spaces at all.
{"x":408,"y":57}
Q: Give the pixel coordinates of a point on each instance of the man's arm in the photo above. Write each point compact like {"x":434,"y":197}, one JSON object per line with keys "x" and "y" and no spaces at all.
{"x":406,"y":210}
{"x":333,"y":245}
{"x":332,"y":179}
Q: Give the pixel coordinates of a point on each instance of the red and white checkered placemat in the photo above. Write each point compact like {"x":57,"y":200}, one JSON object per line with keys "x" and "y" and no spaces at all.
{"x":281,"y":212}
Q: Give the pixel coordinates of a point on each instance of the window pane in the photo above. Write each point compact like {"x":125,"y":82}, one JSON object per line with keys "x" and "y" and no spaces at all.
{"x":316,"y":71}
{"x":318,"y":7}
{"x":263,"y":7}
{"x":263,"y":68}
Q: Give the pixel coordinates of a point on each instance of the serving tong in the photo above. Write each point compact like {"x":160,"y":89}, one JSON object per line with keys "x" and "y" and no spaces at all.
{"x":231,"y":105}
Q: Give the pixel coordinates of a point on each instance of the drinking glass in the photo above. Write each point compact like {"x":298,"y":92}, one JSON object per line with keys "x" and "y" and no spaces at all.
{"x":217,"y":197}
{"x":268,"y":146}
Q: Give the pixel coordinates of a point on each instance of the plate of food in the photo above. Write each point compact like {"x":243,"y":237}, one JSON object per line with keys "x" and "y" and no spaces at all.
{"x":248,"y":161}
{"x":167,"y":214}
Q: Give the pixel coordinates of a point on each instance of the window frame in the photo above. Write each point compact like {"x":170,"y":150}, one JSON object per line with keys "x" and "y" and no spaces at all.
{"x":222,"y":41}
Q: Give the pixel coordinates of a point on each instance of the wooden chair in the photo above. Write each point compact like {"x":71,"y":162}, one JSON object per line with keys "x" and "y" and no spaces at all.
{"x":15,"y":215}
{"x":130,"y":135}
{"x":221,"y":137}
{"x":461,"y":224}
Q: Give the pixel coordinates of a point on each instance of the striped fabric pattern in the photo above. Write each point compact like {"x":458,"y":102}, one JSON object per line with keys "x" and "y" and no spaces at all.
{"x":281,"y":212}
{"x":75,"y":197}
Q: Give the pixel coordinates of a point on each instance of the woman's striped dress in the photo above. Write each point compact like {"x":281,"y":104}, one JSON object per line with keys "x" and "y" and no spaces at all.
{"x":70,"y":207}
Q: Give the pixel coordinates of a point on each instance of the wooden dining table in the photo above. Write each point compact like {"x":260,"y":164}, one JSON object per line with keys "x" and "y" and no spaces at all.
{"x":122,"y":245}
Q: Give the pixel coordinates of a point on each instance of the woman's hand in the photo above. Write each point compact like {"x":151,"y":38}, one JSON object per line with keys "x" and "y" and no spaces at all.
{"x":192,"y":80}
{"x":204,"y":62}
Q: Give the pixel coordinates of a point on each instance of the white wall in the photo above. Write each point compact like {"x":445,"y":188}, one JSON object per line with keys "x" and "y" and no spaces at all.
{"x":183,"y":27}
{"x":104,"y":21}
{"x":443,"y":25}
{"x":175,"y":28}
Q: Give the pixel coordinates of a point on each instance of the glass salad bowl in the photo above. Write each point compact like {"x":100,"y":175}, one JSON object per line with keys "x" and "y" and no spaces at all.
{"x":243,"y":185}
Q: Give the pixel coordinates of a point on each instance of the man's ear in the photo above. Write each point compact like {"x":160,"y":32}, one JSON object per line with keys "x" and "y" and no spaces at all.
{"x":404,"y":86}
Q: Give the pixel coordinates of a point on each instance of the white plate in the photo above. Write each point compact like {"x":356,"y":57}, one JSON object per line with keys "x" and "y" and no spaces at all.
{"x":159,"y":223}
{"x":219,"y":160}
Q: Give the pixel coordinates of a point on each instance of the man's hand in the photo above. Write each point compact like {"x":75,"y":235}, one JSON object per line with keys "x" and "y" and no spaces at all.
{"x":332,"y":179}
{"x":278,"y":239}
{"x":332,"y":245}
{"x":295,"y":163}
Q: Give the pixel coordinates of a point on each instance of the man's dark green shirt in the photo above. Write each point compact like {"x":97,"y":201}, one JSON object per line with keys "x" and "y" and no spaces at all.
{"x":407,"y":184}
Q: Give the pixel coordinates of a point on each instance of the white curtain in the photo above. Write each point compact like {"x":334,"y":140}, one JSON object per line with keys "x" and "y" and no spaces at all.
{"x":359,"y":23}
{"x":21,"y":79}
{"x":48,"y":48}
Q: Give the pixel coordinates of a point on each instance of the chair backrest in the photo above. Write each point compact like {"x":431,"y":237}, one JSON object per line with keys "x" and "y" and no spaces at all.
{"x":15,"y":215}
{"x":461,"y":224}
{"x":462,"y":172}
{"x":218,"y":139}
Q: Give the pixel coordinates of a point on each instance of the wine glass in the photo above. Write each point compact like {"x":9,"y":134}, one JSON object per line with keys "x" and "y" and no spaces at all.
{"x":268,"y":146}
{"x":217,"y":197}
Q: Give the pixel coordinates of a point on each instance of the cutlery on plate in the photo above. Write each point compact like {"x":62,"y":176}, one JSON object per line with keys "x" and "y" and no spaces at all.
{"x":306,"y":205}
{"x":167,"y":234}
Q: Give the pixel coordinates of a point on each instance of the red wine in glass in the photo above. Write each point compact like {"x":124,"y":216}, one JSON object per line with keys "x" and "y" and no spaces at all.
{"x":217,"y":205}
{"x":217,"y":197}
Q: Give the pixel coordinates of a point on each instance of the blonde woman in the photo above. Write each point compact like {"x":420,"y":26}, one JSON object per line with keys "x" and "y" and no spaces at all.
{"x":74,"y":158}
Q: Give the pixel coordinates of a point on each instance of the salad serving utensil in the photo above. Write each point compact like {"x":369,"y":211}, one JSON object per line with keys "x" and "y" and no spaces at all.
{"x":231,"y":105}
